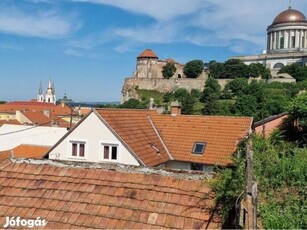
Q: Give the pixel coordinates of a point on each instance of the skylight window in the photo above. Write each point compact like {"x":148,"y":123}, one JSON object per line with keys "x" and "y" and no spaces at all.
{"x":199,"y":147}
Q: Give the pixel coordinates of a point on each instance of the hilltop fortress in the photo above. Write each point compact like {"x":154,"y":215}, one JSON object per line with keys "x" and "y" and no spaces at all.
{"x":286,"y":44}
{"x":148,"y":75}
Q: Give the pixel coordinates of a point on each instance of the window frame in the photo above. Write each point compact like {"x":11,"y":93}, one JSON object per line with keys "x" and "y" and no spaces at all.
{"x":110,"y":146}
{"x":195,"y":146}
{"x":77,"y":143}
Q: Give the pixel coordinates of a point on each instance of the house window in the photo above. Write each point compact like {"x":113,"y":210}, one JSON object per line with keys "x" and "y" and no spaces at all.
{"x":199,"y":148}
{"x":110,"y":152}
{"x":77,"y":149}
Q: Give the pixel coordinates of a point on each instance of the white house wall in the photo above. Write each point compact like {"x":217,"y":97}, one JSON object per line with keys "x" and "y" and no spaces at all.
{"x":12,"y":136}
{"x":93,"y":132}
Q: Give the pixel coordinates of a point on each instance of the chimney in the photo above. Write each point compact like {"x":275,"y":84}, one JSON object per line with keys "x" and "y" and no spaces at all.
{"x":175,"y":108}
{"x":151,"y":104}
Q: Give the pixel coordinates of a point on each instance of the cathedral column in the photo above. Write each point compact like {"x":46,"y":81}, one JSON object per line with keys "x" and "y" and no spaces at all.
{"x":277,"y":40}
{"x":289,"y":42}
{"x":305,"y":40}
{"x":297,"y":39}
{"x":274,"y":43}
{"x":301,"y":39}
{"x":286,"y":41}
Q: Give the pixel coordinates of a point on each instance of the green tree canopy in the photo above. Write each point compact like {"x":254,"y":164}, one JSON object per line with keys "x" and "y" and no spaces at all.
{"x":297,"y":71}
{"x":168,"y":70}
{"x":211,"y":94}
{"x":186,"y":99}
{"x":133,"y":104}
{"x":194,"y":68}
{"x":237,"y":86}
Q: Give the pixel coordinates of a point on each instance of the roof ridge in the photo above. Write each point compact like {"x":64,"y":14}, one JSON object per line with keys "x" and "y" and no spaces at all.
{"x":178,"y":174}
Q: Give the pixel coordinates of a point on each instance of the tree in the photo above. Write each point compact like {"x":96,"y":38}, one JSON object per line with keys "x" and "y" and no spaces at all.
{"x":168,"y":70}
{"x":133,"y":104}
{"x":237,"y":86}
{"x":210,"y":96}
{"x":186,"y":99}
{"x":295,"y":127}
{"x":216,"y":69}
{"x":296,"y":71}
{"x":193,"y":69}
{"x":257,"y":69}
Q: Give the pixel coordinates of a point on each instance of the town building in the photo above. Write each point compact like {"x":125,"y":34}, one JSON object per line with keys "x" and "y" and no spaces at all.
{"x":12,"y":136}
{"x":286,"y":44}
{"x":38,"y":113}
{"x":96,"y":196}
{"x":146,"y":138}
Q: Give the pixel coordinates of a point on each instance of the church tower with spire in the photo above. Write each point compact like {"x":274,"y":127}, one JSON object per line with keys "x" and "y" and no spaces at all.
{"x":50,"y":93}
{"x":40,"y":95}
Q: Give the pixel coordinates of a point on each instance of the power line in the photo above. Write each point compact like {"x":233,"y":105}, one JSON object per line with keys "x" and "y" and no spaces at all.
{"x":18,"y":131}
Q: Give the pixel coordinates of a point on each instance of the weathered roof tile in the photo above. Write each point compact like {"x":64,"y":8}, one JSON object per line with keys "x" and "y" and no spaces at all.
{"x":130,"y":202}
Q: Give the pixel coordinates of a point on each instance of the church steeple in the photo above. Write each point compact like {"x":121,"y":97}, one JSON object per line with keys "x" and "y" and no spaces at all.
{"x":40,"y":95}
{"x":50,"y":93}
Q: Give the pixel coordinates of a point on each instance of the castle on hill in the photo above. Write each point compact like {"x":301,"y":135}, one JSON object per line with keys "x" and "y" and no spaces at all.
{"x":148,"y":75}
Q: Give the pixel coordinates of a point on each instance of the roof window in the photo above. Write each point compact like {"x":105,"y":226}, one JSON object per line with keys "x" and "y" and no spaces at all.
{"x":199,"y":147}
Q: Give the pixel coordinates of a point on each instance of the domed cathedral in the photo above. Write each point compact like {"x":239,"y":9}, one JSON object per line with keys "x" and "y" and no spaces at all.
{"x":286,"y":42}
{"x":287,"y":33}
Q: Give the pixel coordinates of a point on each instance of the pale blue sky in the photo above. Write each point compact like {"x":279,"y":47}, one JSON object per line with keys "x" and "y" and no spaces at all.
{"x":88,"y":47}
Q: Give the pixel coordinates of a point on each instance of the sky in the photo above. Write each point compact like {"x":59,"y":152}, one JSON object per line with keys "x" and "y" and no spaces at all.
{"x":88,"y":47}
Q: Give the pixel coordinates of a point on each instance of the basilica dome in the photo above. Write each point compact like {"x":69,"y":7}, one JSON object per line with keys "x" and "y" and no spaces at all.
{"x":289,"y":16}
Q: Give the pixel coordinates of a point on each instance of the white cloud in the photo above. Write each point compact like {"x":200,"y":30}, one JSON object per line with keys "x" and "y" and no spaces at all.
{"x":239,"y":24}
{"x":47,"y":24}
{"x":72,"y":52}
{"x":158,"y":9}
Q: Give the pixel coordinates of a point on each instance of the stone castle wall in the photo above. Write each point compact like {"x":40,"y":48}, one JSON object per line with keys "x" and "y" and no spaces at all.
{"x":148,"y":75}
{"x":162,"y":85}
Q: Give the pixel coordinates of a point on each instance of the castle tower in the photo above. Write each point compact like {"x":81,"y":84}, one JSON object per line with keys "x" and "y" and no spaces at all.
{"x":50,"y":93}
{"x":40,"y":95}
{"x":146,"y":63}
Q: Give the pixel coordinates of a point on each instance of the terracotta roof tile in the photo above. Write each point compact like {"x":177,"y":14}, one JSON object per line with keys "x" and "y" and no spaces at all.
{"x":57,"y":110}
{"x":103,"y":203}
{"x":25,"y":151}
{"x":220,"y":134}
{"x":147,"y":53}
{"x":136,"y":130}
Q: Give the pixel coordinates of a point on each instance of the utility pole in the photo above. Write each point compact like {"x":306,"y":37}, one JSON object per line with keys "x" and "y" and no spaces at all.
{"x":251,"y":189}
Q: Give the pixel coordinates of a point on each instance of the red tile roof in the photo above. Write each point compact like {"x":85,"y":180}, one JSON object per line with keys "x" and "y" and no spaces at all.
{"x":57,"y":110}
{"x":135,"y":128}
{"x":220,"y":134}
{"x":148,"y":53}
{"x":25,"y":151}
{"x":39,"y":118}
{"x":11,"y":122}
{"x":88,"y":197}
{"x":179,"y":134}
